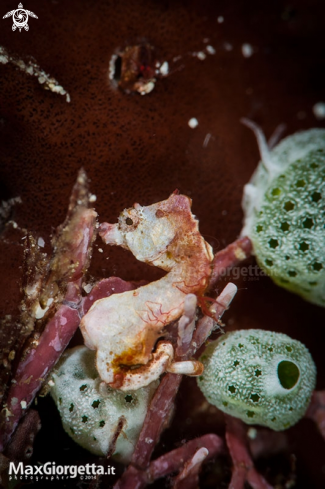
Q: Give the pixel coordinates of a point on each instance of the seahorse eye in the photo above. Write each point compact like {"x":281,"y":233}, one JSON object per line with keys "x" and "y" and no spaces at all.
{"x":128,"y":221}
{"x":288,"y":374}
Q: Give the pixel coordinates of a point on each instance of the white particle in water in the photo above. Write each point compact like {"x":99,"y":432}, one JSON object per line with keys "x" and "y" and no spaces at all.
{"x":319,"y":110}
{"x":210,"y":50}
{"x":247,"y":50}
{"x":164,"y":69}
{"x":193,"y":123}
{"x":201,"y":55}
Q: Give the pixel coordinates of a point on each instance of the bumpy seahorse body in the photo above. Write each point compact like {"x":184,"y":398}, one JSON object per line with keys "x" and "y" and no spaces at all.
{"x":124,"y":328}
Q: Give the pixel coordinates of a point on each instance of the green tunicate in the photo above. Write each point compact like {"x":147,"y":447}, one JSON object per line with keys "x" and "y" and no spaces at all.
{"x":90,"y":410}
{"x":261,"y":377}
{"x":285,"y":215}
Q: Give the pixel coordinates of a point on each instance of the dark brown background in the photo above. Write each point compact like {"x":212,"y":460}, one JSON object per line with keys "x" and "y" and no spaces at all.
{"x":140,"y":148}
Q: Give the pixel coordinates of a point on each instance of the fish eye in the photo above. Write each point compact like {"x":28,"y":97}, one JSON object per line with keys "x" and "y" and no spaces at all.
{"x":128,"y":221}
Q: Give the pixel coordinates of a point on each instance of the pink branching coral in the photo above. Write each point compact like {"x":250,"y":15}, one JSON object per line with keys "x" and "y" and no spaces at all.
{"x":61,"y":288}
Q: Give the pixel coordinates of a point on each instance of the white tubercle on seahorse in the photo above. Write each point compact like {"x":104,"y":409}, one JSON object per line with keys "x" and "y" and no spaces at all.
{"x":124,"y":327}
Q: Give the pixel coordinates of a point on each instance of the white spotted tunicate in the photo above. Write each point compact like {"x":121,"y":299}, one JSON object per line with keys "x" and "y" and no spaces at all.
{"x":90,"y":410}
{"x":284,"y":205}
{"x":261,"y":377}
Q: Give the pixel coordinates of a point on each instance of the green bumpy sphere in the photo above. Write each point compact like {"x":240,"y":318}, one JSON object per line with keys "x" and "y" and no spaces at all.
{"x":261,"y":377}
{"x":90,"y":410}
{"x":285,"y":215}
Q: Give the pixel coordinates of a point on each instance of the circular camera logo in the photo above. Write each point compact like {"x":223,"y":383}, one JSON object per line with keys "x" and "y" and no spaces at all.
{"x":20,"y":18}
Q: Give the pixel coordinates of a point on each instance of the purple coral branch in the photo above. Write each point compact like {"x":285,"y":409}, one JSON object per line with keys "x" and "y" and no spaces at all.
{"x":159,"y":411}
{"x":188,"y":478}
{"x":243,"y":465}
{"x":33,"y":369}
{"x":72,"y":249}
{"x":175,"y":459}
{"x":230,"y":256}
{"x":134,"y":478}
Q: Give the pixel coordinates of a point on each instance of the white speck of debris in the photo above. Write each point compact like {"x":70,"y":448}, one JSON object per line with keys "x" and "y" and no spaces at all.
{"x":210,"y":50}
{"x":147,"y":87}
{"x":220,"y":19}
{"x":40,"y":312}
{"x":228,"y":46}
{"x":51,"y":383}
{"x":87,"y":288}
{"x":14,"y":401}
{"x":247,"y":50}
{"x":3,"y":59}
{"x":252,"y":433}
{"x":111,"y":67}
{"x":100,"y":250}
{"x":92,"y":198}
{"x":201,"y":55}
{"x":206,"y":140}
{"x":158,"y":64}
{"x":148,"y":440}
{"x":23,"y":404}
{"x":319,"y":110}
{"x":14,"y":224}
{"x":11,"y":355}
{"x":33,"y":69}
{"x":193,"y":123}
{"x":164,"y":69}
{"x":41,"y":242}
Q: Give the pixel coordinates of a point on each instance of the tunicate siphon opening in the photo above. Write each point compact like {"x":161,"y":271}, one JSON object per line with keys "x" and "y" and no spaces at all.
{"x":273,"y":243}
{"x":288,"y":206}
{"x":300,"y":183}
{"x":308,"y":223}
{"x":317,"y":266}
{"x":255,"y":397}
{"x":285,"y":226}
{"x":288,"y":374}
{"x":316,"y":196}
{"x":276,"y":191}
{"x":303,"y":246}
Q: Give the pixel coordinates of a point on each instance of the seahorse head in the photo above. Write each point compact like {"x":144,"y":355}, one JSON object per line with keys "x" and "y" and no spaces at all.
{"x":148,"y":231}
